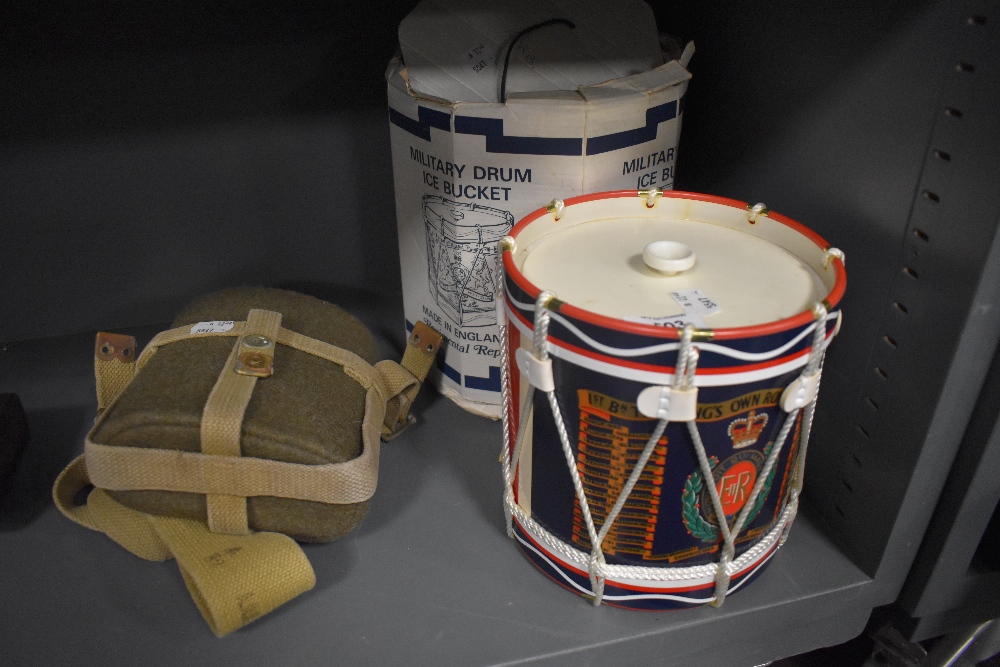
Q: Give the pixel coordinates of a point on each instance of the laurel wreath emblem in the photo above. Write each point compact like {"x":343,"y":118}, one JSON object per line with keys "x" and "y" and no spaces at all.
{"x":695,"y":523}
{"x":693,"y":520}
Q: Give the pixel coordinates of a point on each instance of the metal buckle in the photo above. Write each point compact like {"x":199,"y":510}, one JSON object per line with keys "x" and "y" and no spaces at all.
{"x":400,"y":427}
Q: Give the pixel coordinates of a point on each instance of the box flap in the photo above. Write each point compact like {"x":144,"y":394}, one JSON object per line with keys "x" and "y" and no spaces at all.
{"x":654,"y":80}
{"x":454,"y":49}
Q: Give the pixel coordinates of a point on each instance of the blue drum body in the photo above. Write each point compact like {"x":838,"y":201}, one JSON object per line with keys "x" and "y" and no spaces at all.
{"x":600,"y":365}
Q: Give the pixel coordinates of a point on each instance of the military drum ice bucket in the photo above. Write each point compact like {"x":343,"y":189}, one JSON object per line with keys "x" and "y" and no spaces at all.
{"x":662,"y":360}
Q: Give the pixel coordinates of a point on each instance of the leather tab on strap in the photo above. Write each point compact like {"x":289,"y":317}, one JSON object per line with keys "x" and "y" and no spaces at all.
{"x":421,"y":349}
{"x":114,"y":366}
{"x":222,"y":419}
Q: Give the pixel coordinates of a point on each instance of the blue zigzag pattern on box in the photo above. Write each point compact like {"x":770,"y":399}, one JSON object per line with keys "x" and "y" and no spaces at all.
{"x":640,"y":135}
{"x":421,"y":127}
{"x":498,"y":142}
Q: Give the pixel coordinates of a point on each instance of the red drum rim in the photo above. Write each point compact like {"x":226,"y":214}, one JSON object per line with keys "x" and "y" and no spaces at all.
{"x":725,"y":333}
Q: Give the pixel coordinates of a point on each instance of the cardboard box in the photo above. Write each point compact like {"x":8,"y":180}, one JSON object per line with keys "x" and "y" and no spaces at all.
{"x":466,"y":166}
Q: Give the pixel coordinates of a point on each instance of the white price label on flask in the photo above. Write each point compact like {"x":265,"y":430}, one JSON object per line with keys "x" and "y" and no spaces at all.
{"x":695,"y":302}
{"x":215,"y":326}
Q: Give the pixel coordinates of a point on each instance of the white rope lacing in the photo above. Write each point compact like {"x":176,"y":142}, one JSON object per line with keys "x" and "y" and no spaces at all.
{"x":505,"y":407}
{"x":594,"y":562}
{"x":809,"y":413}
{"x":506,"y":243}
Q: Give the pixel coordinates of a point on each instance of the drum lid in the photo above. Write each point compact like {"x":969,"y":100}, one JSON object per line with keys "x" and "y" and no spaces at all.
{"x":742,"y":275}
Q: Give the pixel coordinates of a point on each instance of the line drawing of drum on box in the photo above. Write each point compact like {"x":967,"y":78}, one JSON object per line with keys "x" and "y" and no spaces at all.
{"x":462,"y":258}
{"x":662,"y":357}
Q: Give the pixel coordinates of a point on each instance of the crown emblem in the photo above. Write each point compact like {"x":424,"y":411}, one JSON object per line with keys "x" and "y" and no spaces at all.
{"x":744,"y":432}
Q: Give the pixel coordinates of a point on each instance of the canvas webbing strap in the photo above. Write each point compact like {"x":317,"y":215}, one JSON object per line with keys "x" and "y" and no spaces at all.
{"x":222,"y":418}
{"x":134,"y":469}
{"x":233,"y":579}
{"x":354,"y":366}
{"x":353,"y":481}
{"x":397,"y":384}
{"x":183,"y":333}
{"x":389,"y":386}
{"x":403,"y":380}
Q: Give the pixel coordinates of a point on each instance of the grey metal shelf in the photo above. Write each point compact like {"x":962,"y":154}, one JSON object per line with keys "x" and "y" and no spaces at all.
{"x":430,"y":577}
{"x":947,"y":588}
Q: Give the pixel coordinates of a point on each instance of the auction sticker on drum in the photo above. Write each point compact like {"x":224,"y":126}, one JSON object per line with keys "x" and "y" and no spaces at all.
{"x":662,"y":359}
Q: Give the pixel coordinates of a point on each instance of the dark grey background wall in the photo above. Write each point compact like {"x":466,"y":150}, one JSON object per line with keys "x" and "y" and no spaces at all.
{"x":153,"y":151}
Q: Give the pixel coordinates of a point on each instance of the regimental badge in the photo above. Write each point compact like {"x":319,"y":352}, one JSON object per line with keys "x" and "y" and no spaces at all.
{"x":734,"y":479}
{"x":745,"y":432}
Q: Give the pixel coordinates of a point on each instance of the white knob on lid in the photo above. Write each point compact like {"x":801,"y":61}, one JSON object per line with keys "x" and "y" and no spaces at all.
{"x":668,"y":257}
